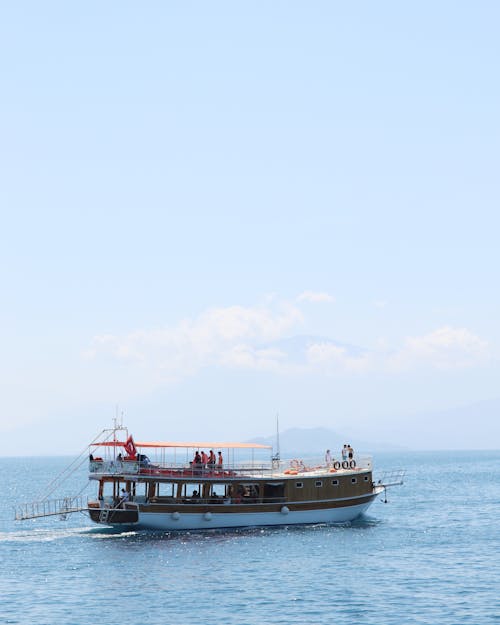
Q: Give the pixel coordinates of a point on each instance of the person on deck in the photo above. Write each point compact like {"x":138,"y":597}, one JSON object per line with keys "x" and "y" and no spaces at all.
{"x":220,"y":460}
{"x":123,"y":498}
{"x":328,"y":458}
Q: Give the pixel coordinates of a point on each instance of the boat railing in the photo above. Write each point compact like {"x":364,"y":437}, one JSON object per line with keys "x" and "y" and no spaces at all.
{"x":50,"y":507}
{"x":308,"y":464}
{"x":242,"y":469}
{"x":131,"y":467}
{"x":393,"y":477}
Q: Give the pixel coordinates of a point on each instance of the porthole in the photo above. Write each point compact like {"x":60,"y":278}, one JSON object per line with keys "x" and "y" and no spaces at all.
{"x":366,"y":478}
{"x":353,"y":480}
{"x":299,"y":485}
{"x":319,"y":483}
{"x":335,"y":482}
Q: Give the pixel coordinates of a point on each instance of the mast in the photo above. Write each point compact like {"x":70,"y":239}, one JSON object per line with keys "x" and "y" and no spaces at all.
{"x":277,"y":436}
{"x":276,"y":458}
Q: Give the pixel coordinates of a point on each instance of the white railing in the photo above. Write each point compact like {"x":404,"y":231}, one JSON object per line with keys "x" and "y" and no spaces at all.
{"x":318,"y":464}
{"x":116,"y":467}
{"x":50,"y":507}
{"x":183,"y":470}
{"x":394,"y":477}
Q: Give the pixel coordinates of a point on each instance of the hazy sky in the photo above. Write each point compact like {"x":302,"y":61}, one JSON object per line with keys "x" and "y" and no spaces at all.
{"x":216,"y":211}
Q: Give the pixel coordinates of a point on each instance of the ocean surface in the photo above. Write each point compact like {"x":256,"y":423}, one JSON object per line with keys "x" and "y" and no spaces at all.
{"x":430,"y":555}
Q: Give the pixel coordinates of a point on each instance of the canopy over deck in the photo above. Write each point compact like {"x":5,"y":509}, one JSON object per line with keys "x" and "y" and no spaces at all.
{"x":192,"y":445}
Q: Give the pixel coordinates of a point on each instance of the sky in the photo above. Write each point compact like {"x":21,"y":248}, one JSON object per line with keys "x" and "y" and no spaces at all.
{"x":216,"y":212}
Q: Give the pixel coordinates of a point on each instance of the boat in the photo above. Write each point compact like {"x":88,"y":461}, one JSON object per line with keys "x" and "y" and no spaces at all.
{"x":174,"y":486}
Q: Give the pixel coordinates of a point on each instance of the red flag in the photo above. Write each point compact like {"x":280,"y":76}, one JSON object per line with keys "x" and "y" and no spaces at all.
{"x":130,"y":447}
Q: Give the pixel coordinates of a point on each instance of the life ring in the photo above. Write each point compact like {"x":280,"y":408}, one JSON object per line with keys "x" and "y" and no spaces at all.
{"x":345,"y":464}
{"x":352,"y":464}
{"x":336,"y":464}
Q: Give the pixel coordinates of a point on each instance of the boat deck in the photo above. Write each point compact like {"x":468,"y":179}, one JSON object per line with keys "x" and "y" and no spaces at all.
{"x":286,"y":469}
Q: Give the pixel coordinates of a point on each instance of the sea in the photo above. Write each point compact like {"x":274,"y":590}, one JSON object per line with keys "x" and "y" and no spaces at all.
{"x":431,"y":555}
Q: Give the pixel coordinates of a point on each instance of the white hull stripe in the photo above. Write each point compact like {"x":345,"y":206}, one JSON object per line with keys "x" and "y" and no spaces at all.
{"x":190,"y":521}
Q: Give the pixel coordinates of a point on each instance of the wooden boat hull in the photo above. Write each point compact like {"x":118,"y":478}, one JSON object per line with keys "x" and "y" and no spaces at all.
{"x":203,"y":517}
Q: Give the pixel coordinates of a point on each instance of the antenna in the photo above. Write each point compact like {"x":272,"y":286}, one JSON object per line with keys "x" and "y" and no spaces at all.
{"x":115,"y":422}
{"x":278,"y":435}
{"x":276,"y":457}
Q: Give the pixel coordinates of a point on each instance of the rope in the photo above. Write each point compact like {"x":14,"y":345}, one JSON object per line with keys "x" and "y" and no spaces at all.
{"x":71,"y":468}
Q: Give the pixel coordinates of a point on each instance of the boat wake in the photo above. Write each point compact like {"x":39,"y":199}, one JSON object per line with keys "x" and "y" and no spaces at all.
{"x":42,"y":535}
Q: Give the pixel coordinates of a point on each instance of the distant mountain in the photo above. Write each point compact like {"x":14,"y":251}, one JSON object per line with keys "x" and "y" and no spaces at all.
{"x":300,"y":441}
{"x":473,"y":426}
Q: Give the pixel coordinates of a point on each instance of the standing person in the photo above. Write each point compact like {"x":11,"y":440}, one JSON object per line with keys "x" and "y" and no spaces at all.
{"x":204,"y":459}
{"x":350,"y":451}
{"x":328,"y":458}
{"x":211,"y":459}
{"x":220,"y":460}
{"x":344,"y":453}
{"x":197,"y":463}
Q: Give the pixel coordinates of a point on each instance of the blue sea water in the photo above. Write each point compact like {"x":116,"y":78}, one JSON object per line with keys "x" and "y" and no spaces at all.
{"x":431,"y":555}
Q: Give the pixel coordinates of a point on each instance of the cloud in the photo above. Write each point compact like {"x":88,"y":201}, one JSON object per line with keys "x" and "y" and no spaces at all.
{"x":266,"y":338}
{"x":247,"y":357}
{"x":220,"y":336}
{"x":330,"y":358}
{"x":316,"y":297}
{"x":445,"y":348}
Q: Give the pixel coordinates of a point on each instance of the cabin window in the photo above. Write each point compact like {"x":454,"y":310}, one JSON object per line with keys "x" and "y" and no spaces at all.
{"x":366,"y":478}
{"x":218,"y":491}
{"x":299,"y":484}
{"x":335,"y":482}
{"x":318,"y":483}
{"x":353,"y":480}
{"x":250,"y":492}
{"x":274,"y":491}
{"x":165,"y":489}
